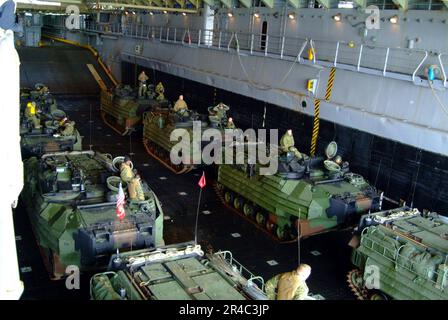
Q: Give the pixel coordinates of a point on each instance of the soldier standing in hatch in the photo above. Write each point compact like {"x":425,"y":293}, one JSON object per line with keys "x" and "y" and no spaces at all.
{"x":160,"y":90}
{"x":230,"y":124}
{"x":180,"y":107}
{"x":31,"y":114}
{"x":69,"y":128}
{"x":287,"y":144}
{"x":135,"y":189}
{"x":221,"y":112}
{"x":142,"y":88}
{"x":289,"y":285}
{"x":126,"y":173}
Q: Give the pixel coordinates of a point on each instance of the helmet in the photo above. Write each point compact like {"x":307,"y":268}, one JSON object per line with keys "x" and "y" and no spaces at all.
{"x":338,"y":159}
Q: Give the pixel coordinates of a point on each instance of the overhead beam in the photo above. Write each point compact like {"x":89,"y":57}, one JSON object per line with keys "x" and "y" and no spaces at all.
{"x":181,"y":3}
{"x":211,"y":3}
{"x":402,"y":4}
{"x":157,"y":2}
{"x":169,"y":3}
{"x":195,"y":3}
{"x":328,"y":4}
{"x":227,"y":3}
{"x":248,"y":3}
{"x":362,"y":3}
{"x":294,"y":3}
{"x":45,"y":5}
{"x":268,"y":3}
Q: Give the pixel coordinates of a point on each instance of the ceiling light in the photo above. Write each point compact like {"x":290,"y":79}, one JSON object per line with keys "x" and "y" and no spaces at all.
{"x":184,"y":13}
{"x":230,"y":14}
{"x":393,"y":19}
{"x":165,"y":12}
{"x":291,"y":15}
{"x":337,"y":17}
{"x":151,"y":13}
{"x":256,"y":15}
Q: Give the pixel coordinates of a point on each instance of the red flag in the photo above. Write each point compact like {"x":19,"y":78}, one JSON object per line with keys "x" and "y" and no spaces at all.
{"x":121,"y":213}
{"x":202,"y":181}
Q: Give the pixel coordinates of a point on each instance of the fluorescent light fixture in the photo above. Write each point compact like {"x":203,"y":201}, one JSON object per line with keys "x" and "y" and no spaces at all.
{"x":337,"y":17}
{"x":256,"y":15}
{"x":393,"y":19}
{"x":165,"y":12}
{"x":184,"y":13}
{"x":40,"y":3}
{"x":151,"y":13}
{"x":291,"y":15}
{"x":230,"y":14}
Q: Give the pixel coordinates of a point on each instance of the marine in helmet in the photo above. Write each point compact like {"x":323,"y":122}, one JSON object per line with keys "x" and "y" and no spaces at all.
{"x":160,"y":90}
{"x":135,"y":189}
{"x":287,"y":144}
{"x":181,"y":107}
{"x":44,"y":90}
{"x":230,"y":124}
{"x":289,"y":285}
{"x":142,"y":87}
{"x":126,"y":173}
{"x":31,"y":112}
{"x":338,"y":160}
{"x":221,"y":110}
{"x":68,"y":128}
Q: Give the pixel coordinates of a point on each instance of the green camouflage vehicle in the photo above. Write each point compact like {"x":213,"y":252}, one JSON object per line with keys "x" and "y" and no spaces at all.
{"x":71,"y":201}
{"x":47,"y":139}
{"x":306,"y":198}
{"x":122,"y":109}
{"x":159,"y":123}
{"x":157,"y":128}
{"x":400,"y":254}
{"x":177,"y":272}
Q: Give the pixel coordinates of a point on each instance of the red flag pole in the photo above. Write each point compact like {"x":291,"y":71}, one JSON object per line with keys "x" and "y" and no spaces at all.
{"x":201,"y":184}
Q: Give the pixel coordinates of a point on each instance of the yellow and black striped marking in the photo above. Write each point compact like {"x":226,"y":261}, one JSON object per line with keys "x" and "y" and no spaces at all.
{"x":330,"y":84}
{"x":315,"y":127}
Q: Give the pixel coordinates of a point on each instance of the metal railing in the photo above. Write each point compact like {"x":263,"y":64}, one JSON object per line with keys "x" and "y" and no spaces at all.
{"x":434,"y":276}
{"x":401,"y":63}
{"x":243,"y":271}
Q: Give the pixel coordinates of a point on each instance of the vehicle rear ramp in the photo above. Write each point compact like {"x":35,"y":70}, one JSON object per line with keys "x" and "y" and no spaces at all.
{"x":65,"y":69}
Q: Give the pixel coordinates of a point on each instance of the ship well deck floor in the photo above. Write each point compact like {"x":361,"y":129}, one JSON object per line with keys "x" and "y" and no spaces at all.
{"x":328,"y":254}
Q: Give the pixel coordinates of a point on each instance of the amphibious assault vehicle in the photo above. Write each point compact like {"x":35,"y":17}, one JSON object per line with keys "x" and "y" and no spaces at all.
{"x":302,"y":199}
{"x":400,"y":254}
{"x":48,"y":138}
{"x":47,"y":134}
{"x":122,"y":109}
{"x":159,"y":124}
{"x":177,"y":272}
{"x":71,"y":201}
